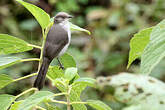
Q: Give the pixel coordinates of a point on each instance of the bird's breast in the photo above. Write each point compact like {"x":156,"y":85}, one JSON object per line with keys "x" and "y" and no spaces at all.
{"x":67,"y":28}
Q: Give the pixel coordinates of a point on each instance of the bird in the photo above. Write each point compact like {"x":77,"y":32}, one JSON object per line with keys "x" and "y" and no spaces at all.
{"x":57,"y":42}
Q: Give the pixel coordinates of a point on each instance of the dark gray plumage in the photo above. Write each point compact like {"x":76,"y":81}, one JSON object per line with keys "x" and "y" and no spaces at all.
{"x":56,"y":40}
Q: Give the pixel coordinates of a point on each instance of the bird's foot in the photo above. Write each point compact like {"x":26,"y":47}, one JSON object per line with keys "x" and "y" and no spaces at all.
{"x":61,"y":67}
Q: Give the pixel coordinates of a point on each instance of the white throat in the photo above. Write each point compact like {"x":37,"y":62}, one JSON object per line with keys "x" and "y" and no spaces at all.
{"x":66,"y":26}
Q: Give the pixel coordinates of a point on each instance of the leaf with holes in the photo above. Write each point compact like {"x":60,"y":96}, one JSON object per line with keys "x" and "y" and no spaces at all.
{"x":10,"y":44}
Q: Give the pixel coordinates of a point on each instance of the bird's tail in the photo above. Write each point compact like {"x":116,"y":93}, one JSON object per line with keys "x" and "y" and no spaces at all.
{"x":39,"y":82}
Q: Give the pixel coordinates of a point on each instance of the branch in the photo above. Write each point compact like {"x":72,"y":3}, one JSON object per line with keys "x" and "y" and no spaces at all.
{"x":36,"y":46}
{"x":25,"y":77}
{"x":30,"y":59}
{"x":78,"y":103}
{"x":61,"y":102}
{"x":68,"y":98}
{"x":38,"y":107}
{"x":32,"y":89}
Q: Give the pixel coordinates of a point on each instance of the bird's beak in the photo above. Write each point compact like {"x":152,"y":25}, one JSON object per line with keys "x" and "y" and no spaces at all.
{"x":70,"y":16}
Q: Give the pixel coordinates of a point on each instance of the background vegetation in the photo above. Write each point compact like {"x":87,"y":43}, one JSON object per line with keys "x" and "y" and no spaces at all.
{"x":112,"y":23}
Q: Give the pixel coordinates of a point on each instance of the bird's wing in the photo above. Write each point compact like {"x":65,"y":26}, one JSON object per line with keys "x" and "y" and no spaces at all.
{"x":56,"y":39}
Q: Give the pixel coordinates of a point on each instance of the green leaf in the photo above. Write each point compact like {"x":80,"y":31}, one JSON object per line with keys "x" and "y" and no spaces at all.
{"x":77,"y":28}
{"x":87,"y":81}
{"x":54,"y":72}
{"x":77,"y":88}
{"x":10,"y":44}
{"x":52,"y":107}
{"x":8,"y":61}
{"x":5,"y":101}
{"x":5,"y":80}
{"x":75,"y":97}
{"x":98,"y":105}
{"x":70,"y":73}
{"x":41,"y":16}
{"x":35,"y":99}
{"x":16,"y":105}
{"x":154,"y":51}
{"x":61,"y":84}
{"x":67,"y":61}
{"x":138,"y":43}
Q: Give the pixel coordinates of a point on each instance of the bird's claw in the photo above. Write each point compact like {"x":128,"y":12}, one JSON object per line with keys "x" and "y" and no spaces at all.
{"x":61,"y":67}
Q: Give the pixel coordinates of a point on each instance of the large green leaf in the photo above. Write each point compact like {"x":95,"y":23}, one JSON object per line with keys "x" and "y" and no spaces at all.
{"x":8,"y":61}
{"x":77,"y":87}
{"x":75,"y":96}
{"x":138,"y":43}
{"x":10,"y":44}
{"x":41,"y":16}
{"x":68,"y":61}
{"x":53,"y":107}
{"x":35,"y":99}
{"x":77,"y":28}
{"x":70,"y":73}
{"x":4,"y":80}
{"x":86,"y":81}
{"x":154,"y":51}
{"x":54,"y":72}
{"x":62,"y":85}
{"x":5,"y":101}
{"x":98,"y":105}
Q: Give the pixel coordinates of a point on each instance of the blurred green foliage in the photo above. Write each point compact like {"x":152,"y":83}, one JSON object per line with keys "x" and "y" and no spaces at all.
{"x":112,"y":23}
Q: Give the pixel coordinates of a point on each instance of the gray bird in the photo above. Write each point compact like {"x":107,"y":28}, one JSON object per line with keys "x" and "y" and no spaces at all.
{"x":57,"y":42}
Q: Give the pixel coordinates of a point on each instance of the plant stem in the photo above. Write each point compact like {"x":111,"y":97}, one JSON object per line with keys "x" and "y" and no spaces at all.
{"x":32,"y":89}
{"x":68,"y":98}
{"x":24,"y":77}
{"x":58,"y":94}
{"x":42,"y":48}
{"x":36,"y":46}
{"x":30,"y":59}
{"x":38,"y":107}
{"x":61,"y":102}
{"x":78,"y":103}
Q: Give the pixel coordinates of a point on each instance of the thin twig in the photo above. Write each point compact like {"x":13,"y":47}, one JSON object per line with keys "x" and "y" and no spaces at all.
{"x":30,"y":59}
{"x":78,"y":103}
{"x":24,"y":77}
{"x":38,"y":107}
{"x":68,"y":98}
{"x":32,"y":89}
{"x":58,"y":94}
{"x":61,"y":102}
{"x":36,"y":46}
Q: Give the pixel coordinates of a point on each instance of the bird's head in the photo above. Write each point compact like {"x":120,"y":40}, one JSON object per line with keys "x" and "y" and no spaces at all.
{"x":62,"y":17}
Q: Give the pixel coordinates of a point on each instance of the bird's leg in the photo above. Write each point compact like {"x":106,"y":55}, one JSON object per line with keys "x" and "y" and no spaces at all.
{"x":61,"y":66}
